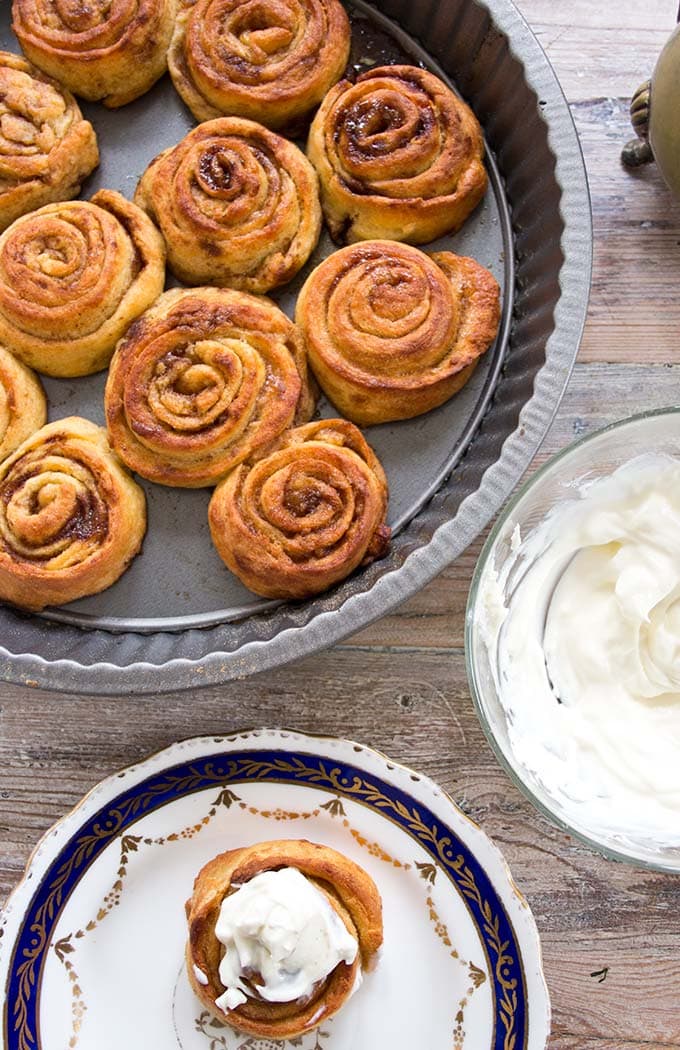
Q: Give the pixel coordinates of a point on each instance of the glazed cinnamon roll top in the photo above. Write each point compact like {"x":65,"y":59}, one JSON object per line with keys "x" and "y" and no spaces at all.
{"x":71,"y":517}
{"x":108,"y":50}
{"x":73,"y":276}
{"x":202,"y":381}
{"x":393,"y":332}
{"x":399,"y":156}
{"x":303,"y":515}
{"x":238,"y":206}
{"x":347,"y":891}
{"x":46,"y":148}
{"x":268,"y":60}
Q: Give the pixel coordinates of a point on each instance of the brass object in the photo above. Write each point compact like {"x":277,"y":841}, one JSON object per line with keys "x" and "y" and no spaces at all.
{"x":654,"y":116}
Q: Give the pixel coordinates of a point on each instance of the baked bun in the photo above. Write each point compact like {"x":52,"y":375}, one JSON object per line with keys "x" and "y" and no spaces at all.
{"x":345,"y":887}
{"x":71,"y":517}
{"x":109,"y":51}
{"x":73,"y":276}
{"x":23,"y":408}
{"x":303,"y":515}
{"x":392,"y":332}
{"x":202,"y":380}
{"x":267,"y":60}
{"x":398,"y":155}
{"x":238,"y":206}
{"x":46,"y":148}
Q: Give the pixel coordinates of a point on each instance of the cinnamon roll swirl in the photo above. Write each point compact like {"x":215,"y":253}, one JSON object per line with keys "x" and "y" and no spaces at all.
{"x":111,"y":51}
{"x":267,"y":60}
{"x":46,"y":148}
{"x":203,"y":380}
{"x":398,"y":155}
{"x":303,"y":515}
{"x":71,"y":517}
{"x":392,"y":332}
{"x":73,"y":276}
{"x":23,"y":408}
{"x":238,"y":206}
{"x":337,"y":896}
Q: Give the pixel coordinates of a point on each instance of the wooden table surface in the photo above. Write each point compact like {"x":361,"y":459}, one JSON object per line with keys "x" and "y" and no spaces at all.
{"x":400,"y":684}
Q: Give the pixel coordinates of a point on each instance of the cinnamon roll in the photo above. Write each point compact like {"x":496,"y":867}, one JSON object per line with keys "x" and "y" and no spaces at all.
{"x":398,"y":155}
{"x":111,"y":51}
{"x":267,"y":60}
{"x":73,"y":276}
{"x":46,"y":148}
{"x":203,"y":380}
{"x":238,"y":206}
{"x":303,"y":515}
{"x":23,"y":408}
{"x":71,"y":517}
{"x":392,"y":332}
{"x":237,"y":965}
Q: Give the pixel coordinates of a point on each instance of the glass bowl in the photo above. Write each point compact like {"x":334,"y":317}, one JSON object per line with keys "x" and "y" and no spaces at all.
{"x":594,"y":456}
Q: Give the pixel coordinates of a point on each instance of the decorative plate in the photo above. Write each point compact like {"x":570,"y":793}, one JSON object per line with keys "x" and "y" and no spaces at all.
{"x":91,"y":942}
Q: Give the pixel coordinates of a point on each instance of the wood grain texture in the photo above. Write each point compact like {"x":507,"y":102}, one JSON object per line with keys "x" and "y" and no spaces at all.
{"x":400,"y":684}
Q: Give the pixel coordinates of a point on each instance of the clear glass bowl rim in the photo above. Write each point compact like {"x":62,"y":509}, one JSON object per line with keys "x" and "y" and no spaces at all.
{"x":671,"y":864}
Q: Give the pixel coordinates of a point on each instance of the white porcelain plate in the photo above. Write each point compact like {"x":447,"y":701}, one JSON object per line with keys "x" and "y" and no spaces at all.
{"x":91,"y":943}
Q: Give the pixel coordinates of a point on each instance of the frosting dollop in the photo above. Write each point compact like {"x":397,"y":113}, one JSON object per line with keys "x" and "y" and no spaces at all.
{"x":281,"y":936}
{"x":582,"y":625}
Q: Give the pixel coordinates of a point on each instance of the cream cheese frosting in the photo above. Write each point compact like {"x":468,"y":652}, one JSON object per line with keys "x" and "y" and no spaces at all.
{"x":281,"y":932}
{"x":582,"y":626}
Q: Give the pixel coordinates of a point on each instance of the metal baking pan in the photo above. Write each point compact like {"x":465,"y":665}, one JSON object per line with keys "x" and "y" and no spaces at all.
{"x":177,"y":618}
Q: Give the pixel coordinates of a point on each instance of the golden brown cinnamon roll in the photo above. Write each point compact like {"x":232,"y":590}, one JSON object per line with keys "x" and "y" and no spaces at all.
{"x":102,"y":50}
{"x":71,"y":517}
{"x":303,"y":515}
{"x":73,"y":276}
{"x":23,"y":408}
{"x":398,"y":155}
{"x":238,"y":206}
{"x":203,"y":380}
{"x":267,"y":60}
{"x":282,"y":990}
{"x":392,"y":332}
{"x":46,"y":148}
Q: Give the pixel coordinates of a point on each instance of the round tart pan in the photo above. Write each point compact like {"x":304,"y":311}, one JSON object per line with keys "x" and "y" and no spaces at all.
{"x":177,"y":619}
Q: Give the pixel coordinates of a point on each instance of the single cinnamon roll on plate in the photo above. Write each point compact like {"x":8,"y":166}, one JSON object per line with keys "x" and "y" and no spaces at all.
{"x":23,"y":408}
{"x":398,"y":155}
{"x":71,"y":517}
{"x":202,"y":380}
{"x":73,"y":276}
{"x":267,"y":60}
{"x":241,"y":967}
{"x":46,"y":148}
{"x":101,"y":50}
{"x":238,"y":206}
{"x":392,"y":332}
{"x":304,"y":514}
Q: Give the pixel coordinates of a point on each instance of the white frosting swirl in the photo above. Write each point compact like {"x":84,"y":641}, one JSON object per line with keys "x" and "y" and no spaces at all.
{"x":582,"y":624}
{"x":281,"y":934}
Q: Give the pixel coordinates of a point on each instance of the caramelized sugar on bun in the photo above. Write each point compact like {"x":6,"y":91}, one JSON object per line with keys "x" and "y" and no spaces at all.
{"x":203,"y":380}
{"x":392,"y":332}
{"x":267,"y":60}
{"x":73,"y":276}
{"x":303,"y":515}
{"x":238,"y":206}
{"x":71,"y":517}
{"x":398,"y":155}
{"x":111,"y":51}
{"x":346,"y":890}
{"x":23,"y":408}
{"x":46,"y":148}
